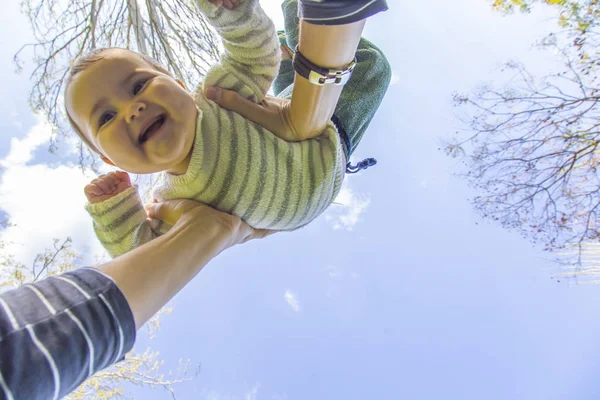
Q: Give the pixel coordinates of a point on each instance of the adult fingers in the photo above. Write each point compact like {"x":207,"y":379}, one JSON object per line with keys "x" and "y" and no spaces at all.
{"x":170,"y":211}
{"x":233,"y":101}
{"x":248,"y":233}
{"x":259,"y":234}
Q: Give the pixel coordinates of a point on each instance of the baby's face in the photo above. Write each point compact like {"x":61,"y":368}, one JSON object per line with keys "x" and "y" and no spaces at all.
{"x":139,"y":118}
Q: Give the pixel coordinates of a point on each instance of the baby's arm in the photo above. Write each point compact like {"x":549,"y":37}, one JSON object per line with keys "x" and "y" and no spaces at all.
{"x":251,"y":55}
{"x":120,"y":221}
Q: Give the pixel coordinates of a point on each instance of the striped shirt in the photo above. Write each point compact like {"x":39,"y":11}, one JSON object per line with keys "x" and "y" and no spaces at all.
{"x":57,"y":332}
{"x":236,"y":166}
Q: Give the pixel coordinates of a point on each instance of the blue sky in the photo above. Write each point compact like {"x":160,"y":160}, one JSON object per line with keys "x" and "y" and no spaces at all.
{"x":401,"y":292}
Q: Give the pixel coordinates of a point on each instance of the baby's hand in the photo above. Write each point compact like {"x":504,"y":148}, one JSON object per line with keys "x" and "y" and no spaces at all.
{"x":106,"y":186}
{"x":229,"y":4}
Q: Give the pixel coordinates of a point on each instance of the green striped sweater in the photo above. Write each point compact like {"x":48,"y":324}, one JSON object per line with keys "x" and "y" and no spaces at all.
{"x":236,"y":166}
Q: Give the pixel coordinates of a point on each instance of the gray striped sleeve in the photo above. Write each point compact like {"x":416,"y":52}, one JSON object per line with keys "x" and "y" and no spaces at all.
{"x":121,"y":223}
{"x":57,"y":332}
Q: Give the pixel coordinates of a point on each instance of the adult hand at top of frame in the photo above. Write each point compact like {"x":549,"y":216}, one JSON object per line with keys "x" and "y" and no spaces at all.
{"x":273,"y":113}
{"x":229,"y":4}
{"x":185,"y":211}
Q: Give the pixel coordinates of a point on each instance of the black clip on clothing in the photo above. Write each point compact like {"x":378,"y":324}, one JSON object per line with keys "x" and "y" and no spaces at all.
{"x":350,"y":169}
{"x":364,"y":164}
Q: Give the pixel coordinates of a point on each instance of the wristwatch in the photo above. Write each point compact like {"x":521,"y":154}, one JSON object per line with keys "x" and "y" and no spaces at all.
{"x":319,"y":75}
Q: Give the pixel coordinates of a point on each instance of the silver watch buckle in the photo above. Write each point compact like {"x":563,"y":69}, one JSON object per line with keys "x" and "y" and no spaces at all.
{"x":337,"y":77}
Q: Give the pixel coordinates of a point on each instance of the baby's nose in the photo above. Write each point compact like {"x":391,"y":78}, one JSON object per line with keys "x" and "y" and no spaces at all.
{"x":136,"y":109}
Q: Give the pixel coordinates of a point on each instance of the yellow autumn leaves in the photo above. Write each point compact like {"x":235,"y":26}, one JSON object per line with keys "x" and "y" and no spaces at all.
{"x":522,"y":5}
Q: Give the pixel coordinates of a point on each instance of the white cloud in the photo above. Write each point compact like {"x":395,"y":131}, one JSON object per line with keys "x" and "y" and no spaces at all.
{"x":251,"y":394}
{"x":43,"y":202}
{"x":332,"y":271}
{"x":347,"y":208}
{"x":292,"y":300}
{"x":14,"y":119}
{"x":338,"y":274}
{"x":21,"y":150}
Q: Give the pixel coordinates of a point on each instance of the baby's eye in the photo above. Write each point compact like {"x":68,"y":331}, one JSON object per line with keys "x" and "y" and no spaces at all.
{"x":138,"y":86}
{"x":106,"y":117}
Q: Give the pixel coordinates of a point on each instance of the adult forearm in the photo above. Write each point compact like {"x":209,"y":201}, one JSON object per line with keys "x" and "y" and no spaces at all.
{"x":152,"y":274}
{"x":329,"y":47}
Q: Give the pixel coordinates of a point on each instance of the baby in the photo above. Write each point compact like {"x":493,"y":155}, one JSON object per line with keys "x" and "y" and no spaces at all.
{"x":138,"y":117}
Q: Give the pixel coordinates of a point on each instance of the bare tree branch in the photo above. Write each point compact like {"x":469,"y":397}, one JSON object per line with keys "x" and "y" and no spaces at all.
{"x":533,"y":146}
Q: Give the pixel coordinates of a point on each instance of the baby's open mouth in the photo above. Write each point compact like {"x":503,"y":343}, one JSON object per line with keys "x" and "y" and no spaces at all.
{"x":153,"y":128}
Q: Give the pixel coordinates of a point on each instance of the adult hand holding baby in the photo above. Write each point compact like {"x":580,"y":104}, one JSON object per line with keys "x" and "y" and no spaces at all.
{"x":273,"y":113}
{"x":172,"y":211}
{"x":185,"y":211}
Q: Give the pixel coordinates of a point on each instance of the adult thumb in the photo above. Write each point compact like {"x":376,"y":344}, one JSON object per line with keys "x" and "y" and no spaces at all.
{"x":170,"y":211}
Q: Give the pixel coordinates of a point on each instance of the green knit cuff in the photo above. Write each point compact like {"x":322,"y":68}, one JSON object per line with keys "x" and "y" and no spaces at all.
{"x":108,"y":211}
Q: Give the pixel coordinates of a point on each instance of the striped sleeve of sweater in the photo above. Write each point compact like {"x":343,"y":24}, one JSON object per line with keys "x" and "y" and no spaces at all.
{"x":121,"y":223}
{"x":250,"y":59}
{"x":59,"y":331}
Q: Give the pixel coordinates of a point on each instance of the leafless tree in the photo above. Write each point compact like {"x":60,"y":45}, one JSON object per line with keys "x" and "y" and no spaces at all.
{"x":532,"y":145}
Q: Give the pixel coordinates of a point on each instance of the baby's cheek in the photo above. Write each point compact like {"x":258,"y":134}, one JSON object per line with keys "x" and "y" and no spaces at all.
{"x":174,"y":97}
{"x":161,"y":90}
{"x":185,"y":102}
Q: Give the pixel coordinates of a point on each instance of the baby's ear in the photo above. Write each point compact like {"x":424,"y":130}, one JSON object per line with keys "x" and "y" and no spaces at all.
{"x":106,"y":160}
{"x":181,"y":83}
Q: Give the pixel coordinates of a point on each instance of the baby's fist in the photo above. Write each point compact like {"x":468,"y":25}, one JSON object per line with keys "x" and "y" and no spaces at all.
{"x":106,"y":186}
